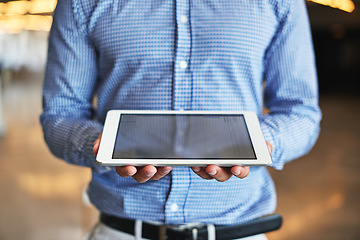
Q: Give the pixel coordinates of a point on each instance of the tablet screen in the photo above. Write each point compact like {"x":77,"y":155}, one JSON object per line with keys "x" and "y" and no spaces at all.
{"x":179,"y":136}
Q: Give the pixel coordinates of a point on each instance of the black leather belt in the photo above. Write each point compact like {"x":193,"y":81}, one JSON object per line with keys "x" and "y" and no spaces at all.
{"x":223,"y":232}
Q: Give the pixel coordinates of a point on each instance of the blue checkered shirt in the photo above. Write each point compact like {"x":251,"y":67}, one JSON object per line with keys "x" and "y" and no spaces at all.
{"x":183,"y":54}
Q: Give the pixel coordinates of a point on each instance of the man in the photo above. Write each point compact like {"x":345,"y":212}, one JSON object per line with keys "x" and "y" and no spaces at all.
{"x":179,"y":55}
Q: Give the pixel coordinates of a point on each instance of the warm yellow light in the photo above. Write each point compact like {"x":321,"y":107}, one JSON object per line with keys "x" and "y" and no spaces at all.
{"x":16,"y":24}
{"x":13,"y":24}
{"x":23,"y":7}
{"x":15,"y":16}
{"x":345,"y":5}
{"x":2,"y":8}
{"x":42,"y":6}
{"x":38,"y":23}
{"x":17,"y":7}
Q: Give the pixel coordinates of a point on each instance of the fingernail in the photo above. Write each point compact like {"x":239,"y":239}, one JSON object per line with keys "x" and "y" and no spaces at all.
{"x":149,"y":174}
{"x":212,"y":173}
{"x":196,"y":169}
{"x":166,"y":170}
{"x":131,"y":172}
{"x":237,"y":172}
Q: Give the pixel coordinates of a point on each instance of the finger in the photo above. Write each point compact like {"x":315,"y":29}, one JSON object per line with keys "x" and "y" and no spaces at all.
{"x":126,"y":171}
{"x":161,"y":172}
{"x":240,"y":171}
{"x":270,"y":147}
{"x":221,"y":174}
{"x":201,"y":172}
{"x":96,"y":144}
{"x":145,"y":173}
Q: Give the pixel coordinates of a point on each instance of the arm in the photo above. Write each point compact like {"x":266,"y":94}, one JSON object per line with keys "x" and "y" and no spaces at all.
{"x":291,"y":92}
{"x":69,"y":86}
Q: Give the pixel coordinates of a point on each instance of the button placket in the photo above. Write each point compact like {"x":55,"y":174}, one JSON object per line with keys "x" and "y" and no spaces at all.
{"x":182,"y":91}
{"x":175,"y":205}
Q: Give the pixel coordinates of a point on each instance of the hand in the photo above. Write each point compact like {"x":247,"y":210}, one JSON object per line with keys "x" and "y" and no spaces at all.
{"x":140,"y":174}
{"x":144,"y":173}
{"x":223,"y":174}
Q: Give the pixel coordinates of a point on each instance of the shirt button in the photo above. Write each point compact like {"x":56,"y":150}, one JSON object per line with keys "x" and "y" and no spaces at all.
{"x":183,"y":64}
{"x":174,"y":207}
{"x":184,"y":19}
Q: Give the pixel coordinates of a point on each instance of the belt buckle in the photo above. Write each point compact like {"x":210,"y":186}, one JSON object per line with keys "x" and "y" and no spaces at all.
{"x":163,"y":235}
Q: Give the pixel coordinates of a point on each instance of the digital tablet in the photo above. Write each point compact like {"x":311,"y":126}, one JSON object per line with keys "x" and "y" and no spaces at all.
{"x":182,"y":138}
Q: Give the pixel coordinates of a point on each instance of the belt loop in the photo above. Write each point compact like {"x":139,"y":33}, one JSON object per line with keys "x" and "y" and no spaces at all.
{"x":194,"y":232}
{"x":211,"y":232}
{"x":138,"y":230}
{"x":162,"y":233}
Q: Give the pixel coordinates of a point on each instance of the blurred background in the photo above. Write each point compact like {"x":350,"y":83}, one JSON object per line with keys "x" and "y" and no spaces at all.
{"x":41,"y":196}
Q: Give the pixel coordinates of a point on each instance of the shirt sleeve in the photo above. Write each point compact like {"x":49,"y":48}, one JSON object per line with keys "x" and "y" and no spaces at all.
{"x":291,"y":91}
{"x":69,"y":85}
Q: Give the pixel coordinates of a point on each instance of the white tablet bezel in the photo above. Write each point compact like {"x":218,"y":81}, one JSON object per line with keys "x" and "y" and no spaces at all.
{"x":107,"y":144}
